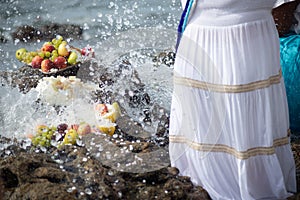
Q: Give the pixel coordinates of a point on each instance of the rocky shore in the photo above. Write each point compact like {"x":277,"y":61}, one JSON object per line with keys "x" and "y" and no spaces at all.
{"x":74,"y":173}
{"x":96,"y":168}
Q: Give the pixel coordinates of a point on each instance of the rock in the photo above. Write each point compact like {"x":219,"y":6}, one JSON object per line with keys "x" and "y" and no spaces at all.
{"x":73,"y":172}
{"x":2,"y":39}
{"x":26,"y":77}
{"x":47,"y":31}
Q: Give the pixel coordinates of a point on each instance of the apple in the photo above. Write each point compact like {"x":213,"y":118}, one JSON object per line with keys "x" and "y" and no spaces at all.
{"x":20,"y":53}
{"x":102,"y":108}
{"x":84,"y":129}
{"x":88,"y":51}
{"x":47,"y":65}
{"x":72,"y":58}
{"x":36,"y":62}
{"x":60,"y":62}
{"x":62,"y":49}
{"x":48,"y":48}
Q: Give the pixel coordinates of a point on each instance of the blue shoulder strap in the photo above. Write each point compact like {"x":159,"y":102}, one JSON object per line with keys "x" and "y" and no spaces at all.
{"x":184,"y":20}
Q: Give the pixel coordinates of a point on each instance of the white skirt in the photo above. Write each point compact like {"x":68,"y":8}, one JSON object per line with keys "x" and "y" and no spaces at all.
{"x":229,"y":126}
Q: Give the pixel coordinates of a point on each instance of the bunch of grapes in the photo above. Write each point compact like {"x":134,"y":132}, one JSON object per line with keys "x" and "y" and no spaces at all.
{"x":43,"y":136}
{"x":56,"y":54}
{"x":55,"y":136}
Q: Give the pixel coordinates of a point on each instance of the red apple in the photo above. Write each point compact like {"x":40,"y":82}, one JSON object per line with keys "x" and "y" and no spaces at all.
{"x":36,"y":62}
{"x":48,"y":47}
{"x":47,"y":65}
{"x":84,"y":129}
{"x":88,"y":51}
{"x":60,"y":62}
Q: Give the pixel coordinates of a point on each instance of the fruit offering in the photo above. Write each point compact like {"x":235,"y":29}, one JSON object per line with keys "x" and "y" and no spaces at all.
{"x":53,"y":56}
{"x":62,"y":91}
{"x":44,"y":135}
{"x":107,"y":115}
{"x":110,"y":112}
{"x":58,"y":136}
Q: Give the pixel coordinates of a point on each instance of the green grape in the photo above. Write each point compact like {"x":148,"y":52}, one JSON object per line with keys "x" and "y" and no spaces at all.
{"x":49,"y":136}
{"x":33,"y":53}
{"x":52,"y":58}
{"x":64,"y":42}
{"x":53,"y":128}
{"x":44,"y":134}
{"x":27,"y":58}
{"x":43,"y":142}
{"x":41,"y":54}
{"x":34,"y":141}
{"x":54,"y":41}
{"x":48,"y":43}
{"x":47,"y":54}
{"x":59,"y":38}
{"x":58,"y":42}
{"x":54,"y":52}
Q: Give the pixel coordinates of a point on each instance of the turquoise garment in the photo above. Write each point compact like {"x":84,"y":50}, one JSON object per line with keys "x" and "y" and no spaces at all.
{"x":290,"y":63}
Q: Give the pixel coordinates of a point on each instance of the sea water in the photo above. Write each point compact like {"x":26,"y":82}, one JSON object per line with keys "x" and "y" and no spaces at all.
{"x":115,"y":29}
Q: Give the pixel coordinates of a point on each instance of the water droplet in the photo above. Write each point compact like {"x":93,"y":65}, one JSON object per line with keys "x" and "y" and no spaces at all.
{"x":79,"y":142}
{"x":108,"y":155}
{"x":120,"y":194}
{"x":110,"y":173}
{"x":88,"y":191}
{"x":7,"y":152}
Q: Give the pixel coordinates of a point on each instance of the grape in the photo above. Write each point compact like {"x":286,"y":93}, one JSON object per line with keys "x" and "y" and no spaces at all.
{"x":52,"y":58}
{"x":47,"y":54}
{"x":54,"y":41}
{"x":33,"y":53}
{"x":62,"y":127}
{"x":41,"y":54}
{"x":43,"y":136}
{"x":54,"y":52}
{"x":59,"y":38}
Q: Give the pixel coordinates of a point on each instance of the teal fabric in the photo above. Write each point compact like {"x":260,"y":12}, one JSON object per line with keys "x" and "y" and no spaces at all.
{"x":290,"y":63}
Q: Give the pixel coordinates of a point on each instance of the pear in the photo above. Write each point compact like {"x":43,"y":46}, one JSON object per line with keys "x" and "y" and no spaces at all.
{"x":62,"y":49}
{"x":72,"y":58}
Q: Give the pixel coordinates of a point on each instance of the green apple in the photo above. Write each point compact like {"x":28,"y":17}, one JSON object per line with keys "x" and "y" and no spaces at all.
{"x":19,"y":53}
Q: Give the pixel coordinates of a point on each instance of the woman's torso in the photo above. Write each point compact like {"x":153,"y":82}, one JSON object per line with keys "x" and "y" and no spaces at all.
{"x":230,"y":12}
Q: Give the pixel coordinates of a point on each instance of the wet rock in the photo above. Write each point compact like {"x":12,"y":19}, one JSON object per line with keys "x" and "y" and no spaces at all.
{"x":164,"y":57}
{"x":36,"y":175}
{"x":26,"y":77}
{"x":3,"y":39}
{"x":47,"y":31}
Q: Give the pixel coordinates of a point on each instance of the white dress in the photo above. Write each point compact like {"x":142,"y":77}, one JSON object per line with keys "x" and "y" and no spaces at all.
{"x":229,"y":126}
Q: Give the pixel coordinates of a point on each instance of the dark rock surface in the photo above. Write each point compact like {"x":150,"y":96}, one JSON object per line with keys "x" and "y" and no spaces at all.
{"x":47,"y":31}
{"x":73,"y":173}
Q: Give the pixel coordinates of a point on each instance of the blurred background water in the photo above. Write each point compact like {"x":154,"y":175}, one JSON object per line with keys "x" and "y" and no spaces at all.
{"x":101,"y":20}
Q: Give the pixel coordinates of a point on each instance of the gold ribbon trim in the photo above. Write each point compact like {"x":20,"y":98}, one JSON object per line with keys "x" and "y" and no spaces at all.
{"x":230,"y":150}
{"x":229,"y":88}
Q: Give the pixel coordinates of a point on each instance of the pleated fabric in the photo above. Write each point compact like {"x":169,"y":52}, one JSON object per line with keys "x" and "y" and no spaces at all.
{"x":229,"y":125}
